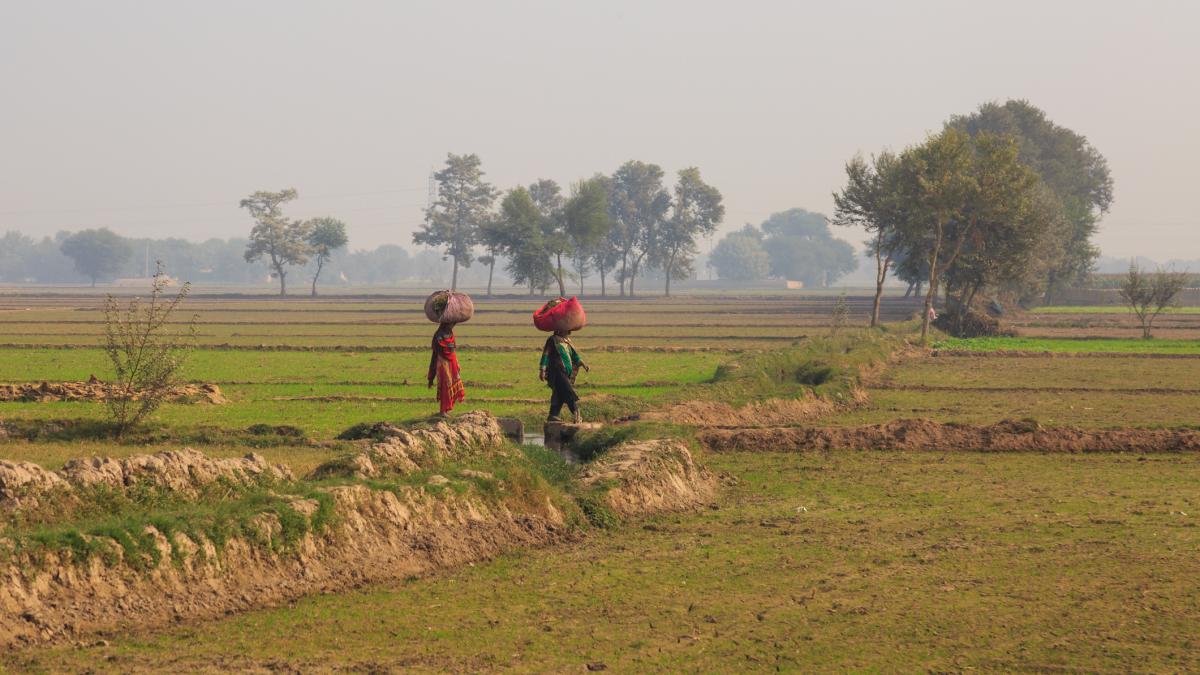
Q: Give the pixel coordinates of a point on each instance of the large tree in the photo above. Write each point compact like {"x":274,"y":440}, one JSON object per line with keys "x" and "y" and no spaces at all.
{"x":937,"y":182}
{"x":740,"y":255}
{"x":463,"y":204}
{"x":325,"y":236}
{"x":547,"y":196}
{"x":586,"y":222}
{"x":493,"y":238}
{"x":97,"y":254}
{"x":522,"y":239}
{"x":1071,"y":168}
{"x":871,"y":201}
{"x":800,"y":246}
{"x":638,"y":204}
{"x":696,"y":212}
{"x":961,"y":195}
{"x":281,"y":241}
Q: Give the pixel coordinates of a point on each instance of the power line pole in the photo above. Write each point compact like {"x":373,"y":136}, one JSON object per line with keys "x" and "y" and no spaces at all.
{"x":432,"y":195}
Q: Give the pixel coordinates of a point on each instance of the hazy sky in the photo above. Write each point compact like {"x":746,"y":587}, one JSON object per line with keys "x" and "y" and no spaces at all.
{"x":156,"y":117}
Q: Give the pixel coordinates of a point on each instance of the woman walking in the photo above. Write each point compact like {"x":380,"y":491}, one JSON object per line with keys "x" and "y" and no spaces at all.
{"x":560,"y":364}
{"x":443,"y":365}
{"x":447,"y":308}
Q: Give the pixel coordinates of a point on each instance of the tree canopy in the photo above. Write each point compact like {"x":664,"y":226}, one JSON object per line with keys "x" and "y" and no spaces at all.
{"x":523,"y":239}
{"x":741,"y":256}
{"x":281,"y":241}
{"x":325,"y":235}
{"x":463,"y":204}
{"x":97,"y":254}
{"x":800,"y":246}
{"x":638,"y":204}
{"x":696,"y":212}
{"x":1071,"y":168}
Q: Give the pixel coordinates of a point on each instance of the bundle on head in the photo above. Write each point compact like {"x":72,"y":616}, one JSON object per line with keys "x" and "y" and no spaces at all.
{"x":560,"y":314}
{"x":449,"y":307}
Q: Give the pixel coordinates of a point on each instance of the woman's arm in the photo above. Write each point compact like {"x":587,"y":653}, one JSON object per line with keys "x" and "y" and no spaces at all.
{"x":545,"y":362}
{"x":433,"y":360}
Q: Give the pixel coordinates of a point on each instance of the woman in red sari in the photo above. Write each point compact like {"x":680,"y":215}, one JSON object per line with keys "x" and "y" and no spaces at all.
{"x":443,"y":365}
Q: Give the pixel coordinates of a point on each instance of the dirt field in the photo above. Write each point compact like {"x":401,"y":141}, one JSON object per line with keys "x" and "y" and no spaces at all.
{"x":939,"y":547}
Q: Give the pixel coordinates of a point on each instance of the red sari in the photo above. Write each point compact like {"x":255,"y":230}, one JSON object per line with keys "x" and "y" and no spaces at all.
{"x":443,"y":364}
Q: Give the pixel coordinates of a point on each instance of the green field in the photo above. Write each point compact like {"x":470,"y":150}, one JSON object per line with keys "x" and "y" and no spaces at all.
{"x":1105,"y":309}
{"x":1069,"y":345}
{"x":325,"y":392}
{"x":832,"y":561}
{"x":854,"y":562}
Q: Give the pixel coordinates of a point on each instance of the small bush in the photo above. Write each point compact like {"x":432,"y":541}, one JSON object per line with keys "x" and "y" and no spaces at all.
{"x":146,"y":355}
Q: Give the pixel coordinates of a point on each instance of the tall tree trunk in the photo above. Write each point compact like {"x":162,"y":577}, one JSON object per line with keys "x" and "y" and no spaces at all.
{"x":1050,"y":280}
{"x":491,"y":270}
{"x":282,"y":279}
{"x":454,"y":275}
{"x":971,"y":297}
{"x":562,"y":290}
{"x":317,"y":274}
{"x":929,"y":295}
{"x":881,"y":267}
{"x":624,"y":268}
{"x":670,"y":266}
{"x":603,"y":290}
{"x":637,"y":264}
{"x":963,"y":303}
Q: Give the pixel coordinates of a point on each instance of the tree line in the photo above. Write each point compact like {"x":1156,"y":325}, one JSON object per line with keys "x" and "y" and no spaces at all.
{"x":101,"y":255}
{"x":1000,"y":199}
{"x":611,"y":226}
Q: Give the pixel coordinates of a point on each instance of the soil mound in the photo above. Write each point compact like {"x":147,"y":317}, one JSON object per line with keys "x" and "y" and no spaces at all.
{"x":366,"y":535}
{"x":24,"y":484}
{"x":177,"y":470}
{"x":374,"y":536}
{"x":404,"y":451}
{"x":651,"y":476}
{"x":970,"y":323}
{"x":94,"y":390}
{"x":770,"y":412}
{"x":921,"y":434}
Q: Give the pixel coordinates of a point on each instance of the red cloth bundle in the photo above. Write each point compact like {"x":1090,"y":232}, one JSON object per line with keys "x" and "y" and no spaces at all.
{"x":560,"y":314}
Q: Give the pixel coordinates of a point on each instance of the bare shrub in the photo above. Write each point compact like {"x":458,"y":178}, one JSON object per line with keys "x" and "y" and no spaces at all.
{"x":1148,"y":294}
{"x":146,"y":352}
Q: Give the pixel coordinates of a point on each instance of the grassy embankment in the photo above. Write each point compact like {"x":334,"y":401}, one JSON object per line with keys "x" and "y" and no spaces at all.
{"x":861,"y":561}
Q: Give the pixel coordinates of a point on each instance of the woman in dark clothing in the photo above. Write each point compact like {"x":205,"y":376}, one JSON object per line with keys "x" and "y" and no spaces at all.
{"x":443,"y":366}
{"x":560,"y":364}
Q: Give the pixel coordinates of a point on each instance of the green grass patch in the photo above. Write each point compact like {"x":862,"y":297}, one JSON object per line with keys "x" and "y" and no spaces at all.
{"x":1104,"y":309}
{"x":1071,"y":345}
